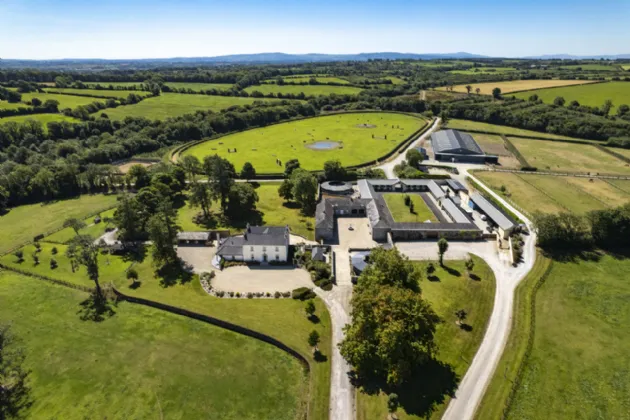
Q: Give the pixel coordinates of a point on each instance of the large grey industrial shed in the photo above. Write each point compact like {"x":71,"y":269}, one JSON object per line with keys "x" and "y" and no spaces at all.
{"x":453,"y":145}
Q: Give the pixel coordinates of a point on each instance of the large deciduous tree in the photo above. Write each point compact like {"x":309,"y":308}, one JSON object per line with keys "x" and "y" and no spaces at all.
{"x":200,"y":197}
{"x":75,"y":224}
{"x":242,"y":200}
{"x":304,"y":190}
{"x":333,"y":170}
{"x":85,"y":252}
{"x":191,"y":166}
{"x":128,"y":218}
{"x":221,"y":174}
{"x":162,"y":231}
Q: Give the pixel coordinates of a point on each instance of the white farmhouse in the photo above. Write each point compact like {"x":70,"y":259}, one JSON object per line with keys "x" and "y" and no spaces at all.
{"x":257,"y":243}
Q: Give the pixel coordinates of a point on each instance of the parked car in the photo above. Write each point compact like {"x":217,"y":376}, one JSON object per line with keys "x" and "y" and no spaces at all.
{"x":350,"y":227}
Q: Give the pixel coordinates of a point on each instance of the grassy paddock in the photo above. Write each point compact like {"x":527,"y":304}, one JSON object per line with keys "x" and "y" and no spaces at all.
{"x":65,"y":101}
{"x":282,"y":319}
{"x":591,"y":95}
{"x":12,"y":105}
{"x":356,"y":144}
{"x":42,"y":118}
{"x":174,"y":104}
{"x":271,"y":210}
{"x":494,"y":144}
{"x":494,"y":401}
{"x":450,"y":291}
{"x":400,"y":212}
{"x":500,"y":129}
{"x":570,"y":157}
{"x":308,"y":90}
{"x":142,"y":362}
{"x":552,"y":194}
{"x":582,"y":333}
{"x":95,"y":230}
{"x":116,"y":94}
{"x":306,"y":78}
{"x":516,"y":85}
{"x":22,"y":223}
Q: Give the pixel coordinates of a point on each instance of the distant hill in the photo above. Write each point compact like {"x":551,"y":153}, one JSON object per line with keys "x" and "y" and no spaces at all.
{"x":578,"y":57}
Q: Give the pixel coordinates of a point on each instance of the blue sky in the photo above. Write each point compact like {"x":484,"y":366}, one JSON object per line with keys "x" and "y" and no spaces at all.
{"x":47,"y":29}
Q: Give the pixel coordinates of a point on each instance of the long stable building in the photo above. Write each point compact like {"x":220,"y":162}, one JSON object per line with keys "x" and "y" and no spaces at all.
{"x":372,"y":205}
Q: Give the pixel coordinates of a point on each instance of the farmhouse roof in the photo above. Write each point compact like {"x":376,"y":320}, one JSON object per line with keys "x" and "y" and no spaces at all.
{"x":231,"y":246}
{"x":453,"y":141}
{"x":492,"y":212}
{"x":266,"y":235}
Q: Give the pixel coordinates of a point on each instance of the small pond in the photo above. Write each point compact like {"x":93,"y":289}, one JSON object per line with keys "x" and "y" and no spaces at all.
{"x":324,"y":145}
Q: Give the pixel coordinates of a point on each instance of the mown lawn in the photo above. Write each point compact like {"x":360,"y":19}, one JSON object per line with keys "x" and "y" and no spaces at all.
{"x":401,"y":213}
{"x":142,"y":362}
{"x":498,"y":129}
{"x":561,"y":156}
{"x":517,"y":85}
{"x":22,"y":223}
{"x":175,"y":104}
{"x":355,"y":143}
{"x":105,"y":93}
{"x":308,"y":90}
{"x":448,"y":291}
{"x":271,"y":209}
{"x":591,"y":95}
{"x":578,"y":368}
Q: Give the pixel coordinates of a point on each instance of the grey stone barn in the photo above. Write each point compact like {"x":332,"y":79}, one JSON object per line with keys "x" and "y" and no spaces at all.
{"x":455,"y":146}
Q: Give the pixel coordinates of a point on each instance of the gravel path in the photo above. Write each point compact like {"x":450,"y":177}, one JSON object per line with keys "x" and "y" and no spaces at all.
{"x":473,"y":386}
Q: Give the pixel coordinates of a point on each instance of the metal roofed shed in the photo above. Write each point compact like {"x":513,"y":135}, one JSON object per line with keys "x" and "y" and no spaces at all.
{"x":453,"y":145}
{"x":456,"y":186}
{"x":436,"y":190}
{"x":193,"y":238}
{"x":456,"y":214}
{"x":504,"y":223}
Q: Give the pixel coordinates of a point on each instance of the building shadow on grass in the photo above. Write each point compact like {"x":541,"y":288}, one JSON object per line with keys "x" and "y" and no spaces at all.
{"x":96,"y":308}
{"x":428,"y":387}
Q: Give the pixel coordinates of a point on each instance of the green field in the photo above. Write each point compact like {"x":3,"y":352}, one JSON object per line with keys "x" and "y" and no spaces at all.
{"x":12,"y":105}
{"x":624,"y":152}
{"x":95,"y":230}
{"x":590,"y":67}
{"x":104,"y":93}
{"x":42,"y":118}
{"x":22,"y":223}
{"x":498,"y":129}
{"x":591,"y":95}
{"x":494,"y":145}
{"x":174,"y":104}
{"x":552,"y":194}
{"x":65,"y":101}
{"x":401,"y":213}
{"x":484,"y":70}
{"x":582,"y":335}
{"x":308,"y":90}
{"x":142,"y":362}
{"x":571,"y":157}
{"x":356,"y":144}
{"x":626,"y":67}
{"x":282,"y":319}
{"x":178,"y":85}
{"x":305,"y":79}
{"x":271,"y":210}
{"x":451,"y":291}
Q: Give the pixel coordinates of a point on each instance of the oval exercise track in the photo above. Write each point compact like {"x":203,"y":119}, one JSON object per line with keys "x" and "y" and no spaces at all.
{"x":362,"y":137}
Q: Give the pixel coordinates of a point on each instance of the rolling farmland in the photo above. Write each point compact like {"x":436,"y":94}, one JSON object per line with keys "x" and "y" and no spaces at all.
{"x":174,"y":104}
{"x":308,"y":90}
{"x":591,"y":95}
{"x":99,"y":92}
{"x":42,"y":118}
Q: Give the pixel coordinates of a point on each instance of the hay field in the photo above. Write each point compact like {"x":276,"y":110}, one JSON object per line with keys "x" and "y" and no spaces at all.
{"x":516,"y":85}
{"x":65,"y":101}
{"x":591,"y":95}
{"x":354,"y":144}
{"x":175,"y":104}
{"x":552,"y":194}
{"x":571,"y":157}
{"x":308,"y":90}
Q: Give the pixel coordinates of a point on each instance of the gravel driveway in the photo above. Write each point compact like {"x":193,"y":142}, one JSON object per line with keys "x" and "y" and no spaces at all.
{"x":261,"y":279}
